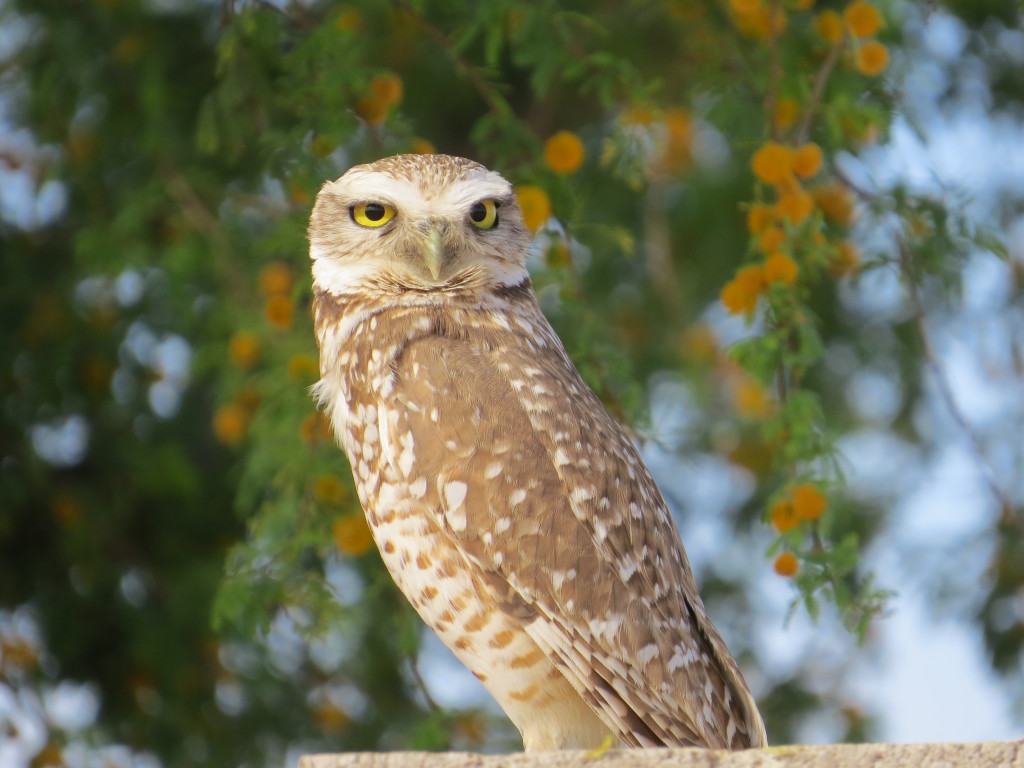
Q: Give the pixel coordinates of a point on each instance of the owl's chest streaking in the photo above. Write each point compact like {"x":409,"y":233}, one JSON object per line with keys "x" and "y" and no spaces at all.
{"x":381,"y":362}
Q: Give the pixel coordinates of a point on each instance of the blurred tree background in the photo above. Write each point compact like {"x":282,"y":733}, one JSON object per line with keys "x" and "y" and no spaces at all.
{"x":797,"y":332}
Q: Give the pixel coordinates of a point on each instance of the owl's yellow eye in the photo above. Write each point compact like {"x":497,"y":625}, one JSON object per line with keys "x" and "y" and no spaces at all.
{"x":484,"y":214}
{"x":372,"y":214}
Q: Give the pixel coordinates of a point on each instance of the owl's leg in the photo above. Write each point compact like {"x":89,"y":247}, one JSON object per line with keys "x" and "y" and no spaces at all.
{"x":565,"y":723}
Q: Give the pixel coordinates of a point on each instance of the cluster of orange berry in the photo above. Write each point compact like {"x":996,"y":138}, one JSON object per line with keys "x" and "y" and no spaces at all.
{"x":862,"y":20}
{"x":384,"y":92}
{"x":276,"y":282}
{"x":803,"y":503}
{"x":350,"y":531}
{"x":759,"y":19}
{"x":762,"y":19}
{"x":231,"y":420}
{"x":564,"y":154}
{"x":231,"y":423}
{"x":782,"y":167}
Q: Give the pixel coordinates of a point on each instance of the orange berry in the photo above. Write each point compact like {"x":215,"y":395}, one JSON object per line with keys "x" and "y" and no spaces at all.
{"x":128,"y":50}
{"x":862,"y":18}
{"x":678,"y":139}
{"x":349,"y":20}
{"x":96,"y":373}
{"x":761,"y":23}
{"x":846,"y":260}
{"x":328,"y":488}
{"x":786,"y":111}
{"x":750,"y":399}
{"x":795,"y":206}
{"x":249,"y":398}
{"x":276,"y":278}
{"x":383,"y":93}
{"x":563,"y":152}
{"x":303,"y":367}
{"x":66,"y":509}
{"x":387,"y":88}
{"x":422,"y":147}
{"x":830,"y":26}
{"x":50,"y":755}
{"x":352,"y":535}
{"x":244,"y":350}
{"x":535,"y":205}
{"x":737,"y":298}
{"x":297,"y":193}
{"x":752,"y":455}
{"x":638,"y":116}
{"x":740,"y":294}
{"x":780,"y":268}
{"x":872,"y":58}
{"x":699,"y":343}
{"x":835,"y":202}
{"x":279,"y":311}
{"x":18,"y":652}
{"x":772,"y":163}
{"x":315,"y":428}
{"x":807,"y":160}
{"x":752,"y":278}
{"x":372,"y":110}
{"x":808,"y":503}
{"x":759,"y":218}
{"x":745,"y":7}
{"x":330,"y":717}
{"x":783,"y":516}
{"x":771,"y":239}
{"x":786,"y":564}
{"x":230,"y":423}
{"x":81,"y":147}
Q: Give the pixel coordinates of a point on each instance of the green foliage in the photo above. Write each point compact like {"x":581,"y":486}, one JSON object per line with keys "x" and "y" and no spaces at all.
{"x":200,"y":557}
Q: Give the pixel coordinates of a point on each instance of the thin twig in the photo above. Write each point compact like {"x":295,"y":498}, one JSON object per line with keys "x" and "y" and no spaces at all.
{"x":942,"y":382}
{"x":414,"y":668}
{"x":199,"y":215}
{"x":775,"y":71}
{"x":819,"y":90}
{"x":857,"y":189}
{"x":658,"y":248}
{"x":495,"y":103}
{"x":931,"y":357}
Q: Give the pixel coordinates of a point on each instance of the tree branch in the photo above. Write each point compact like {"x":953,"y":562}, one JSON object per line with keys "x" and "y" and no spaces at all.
{"x":819,"y":89}
{"x":942,"y":382}
{"x":495,"y":102}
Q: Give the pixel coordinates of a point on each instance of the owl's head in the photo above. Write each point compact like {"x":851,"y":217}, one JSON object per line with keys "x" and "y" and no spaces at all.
{"x":417,"y":222}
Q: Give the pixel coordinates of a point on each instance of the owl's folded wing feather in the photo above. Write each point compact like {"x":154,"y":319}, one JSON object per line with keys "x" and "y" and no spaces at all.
{"x":548,"y":498}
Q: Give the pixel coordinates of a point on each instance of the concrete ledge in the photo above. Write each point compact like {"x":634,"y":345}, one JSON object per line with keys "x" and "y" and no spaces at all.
{"x":975,"y":755}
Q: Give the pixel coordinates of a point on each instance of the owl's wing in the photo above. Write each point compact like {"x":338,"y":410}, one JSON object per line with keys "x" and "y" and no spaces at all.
{"x":549,"y":500}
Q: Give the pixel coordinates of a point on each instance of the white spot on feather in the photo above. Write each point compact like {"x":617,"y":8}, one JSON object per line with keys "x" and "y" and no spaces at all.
{"x":455,"y":493}
{"x":418,"y":488}
{"x":627,"y":568}
{"x":581,"y":494}
{"x":647,"y":653}
{"x":681,"y":657}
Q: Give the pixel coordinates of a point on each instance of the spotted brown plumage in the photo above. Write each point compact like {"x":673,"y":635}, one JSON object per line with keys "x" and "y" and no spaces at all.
{"x":512,"y":511}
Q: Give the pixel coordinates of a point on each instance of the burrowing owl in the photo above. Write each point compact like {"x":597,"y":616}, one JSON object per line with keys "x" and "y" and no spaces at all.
{"x":510,"y":508}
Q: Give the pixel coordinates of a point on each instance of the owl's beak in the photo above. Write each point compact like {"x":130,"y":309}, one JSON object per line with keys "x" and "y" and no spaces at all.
{"x":433,"y":252}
